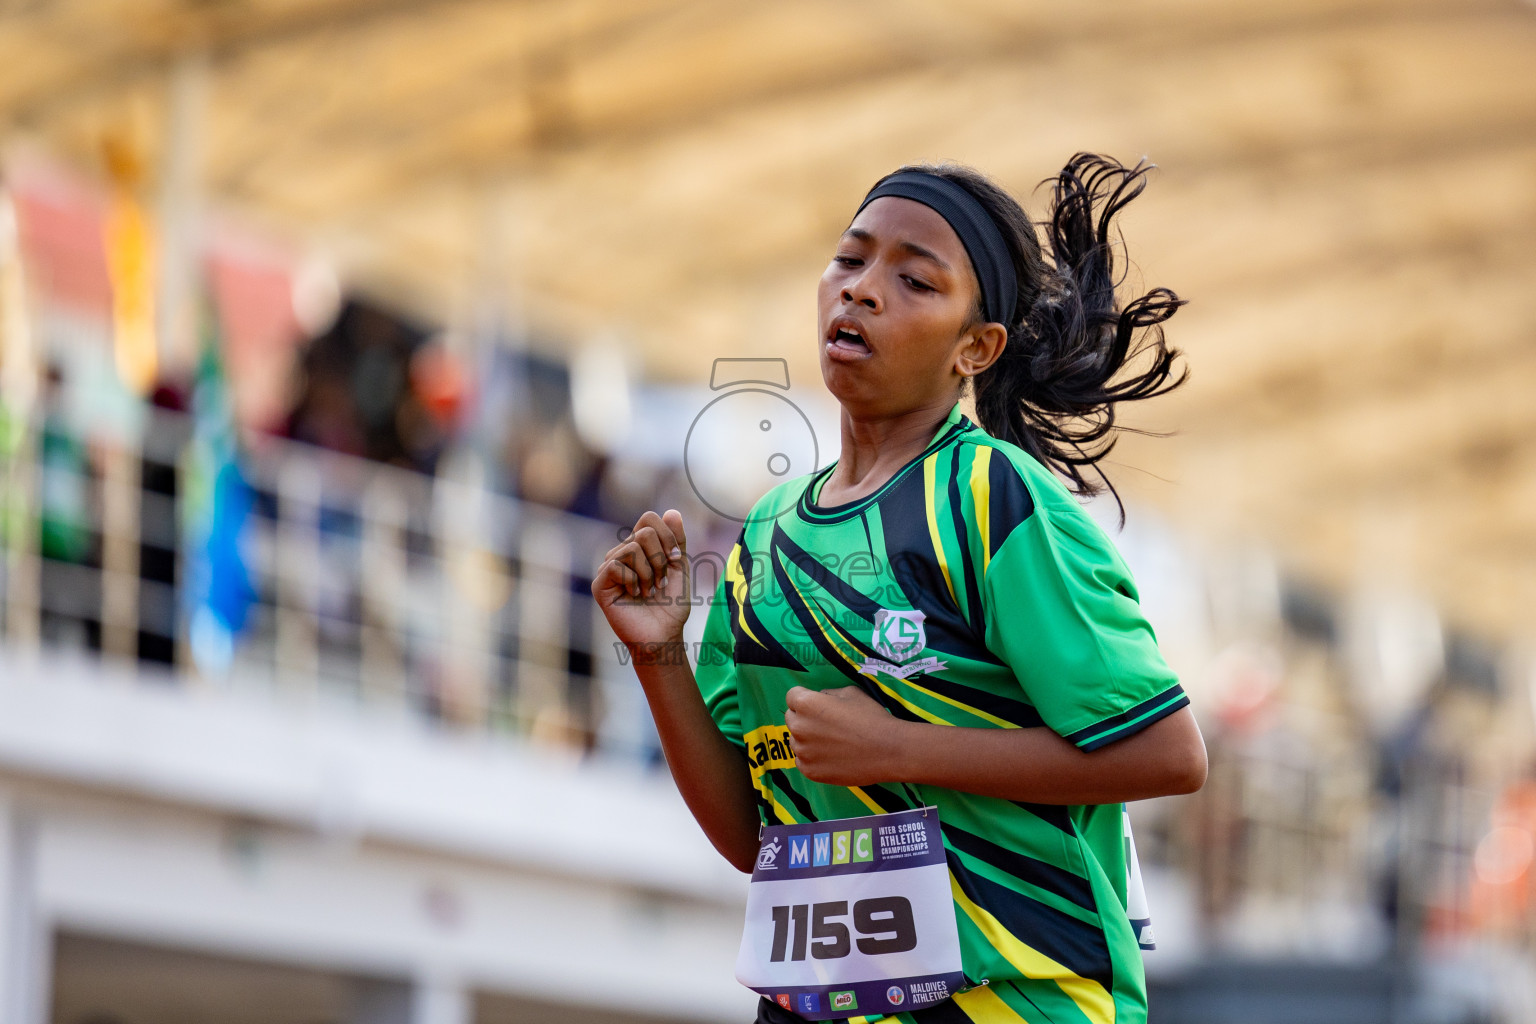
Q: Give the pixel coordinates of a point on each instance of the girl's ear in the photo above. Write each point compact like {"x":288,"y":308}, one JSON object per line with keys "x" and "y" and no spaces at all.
{"x":980,"y":347}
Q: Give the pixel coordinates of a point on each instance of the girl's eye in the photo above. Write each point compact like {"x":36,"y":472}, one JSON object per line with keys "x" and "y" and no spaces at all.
{"x":847,"y":261}
{"x":915,"y":283}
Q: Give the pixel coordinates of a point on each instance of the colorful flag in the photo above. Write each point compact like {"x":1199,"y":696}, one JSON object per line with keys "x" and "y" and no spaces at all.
{"x":216,"y":502}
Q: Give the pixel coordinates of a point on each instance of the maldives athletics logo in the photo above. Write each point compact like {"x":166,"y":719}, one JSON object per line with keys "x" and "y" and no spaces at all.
{"x":899,"y":639}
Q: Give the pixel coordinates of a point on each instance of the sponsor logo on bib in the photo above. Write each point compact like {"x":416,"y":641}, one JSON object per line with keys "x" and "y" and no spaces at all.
{"x":844,"y":1001}
{"x":899,"y":638}
{"x":800,"y":851}
{"x":895,"y":995}
{"x":924,"y":992}
{"x":768,"y":855}
{"x":784,"y":1001}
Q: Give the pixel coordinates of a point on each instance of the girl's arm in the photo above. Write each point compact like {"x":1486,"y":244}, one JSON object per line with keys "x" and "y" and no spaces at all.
{"x":643,"y":588}
{"x":710,"y":772}
{"x":844,"y":738}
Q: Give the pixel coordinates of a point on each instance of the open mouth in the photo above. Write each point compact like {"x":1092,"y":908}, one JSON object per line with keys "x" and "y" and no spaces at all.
{"x":847,"y":338}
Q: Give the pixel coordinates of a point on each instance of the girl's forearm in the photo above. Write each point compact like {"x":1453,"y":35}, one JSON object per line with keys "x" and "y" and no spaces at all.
{"x":1038,"y":766}
{"x":709,"y":770}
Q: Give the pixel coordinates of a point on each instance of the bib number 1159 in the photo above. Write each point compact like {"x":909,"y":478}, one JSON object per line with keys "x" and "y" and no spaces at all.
{"x":885,"y":925}
{"x":852,"y":917}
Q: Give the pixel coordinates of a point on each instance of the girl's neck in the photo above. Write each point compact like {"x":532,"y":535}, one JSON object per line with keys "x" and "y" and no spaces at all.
{"x":874,"y":449}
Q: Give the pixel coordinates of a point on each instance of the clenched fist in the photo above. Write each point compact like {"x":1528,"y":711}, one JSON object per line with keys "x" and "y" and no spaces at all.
{"x":842,"y":737}
{"x":643,"y":584}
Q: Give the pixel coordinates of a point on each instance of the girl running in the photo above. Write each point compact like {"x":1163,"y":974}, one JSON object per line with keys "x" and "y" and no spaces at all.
{"x":934,"y":622}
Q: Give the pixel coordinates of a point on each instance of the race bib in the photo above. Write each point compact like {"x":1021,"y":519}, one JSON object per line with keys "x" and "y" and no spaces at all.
{"x":852,"y":917}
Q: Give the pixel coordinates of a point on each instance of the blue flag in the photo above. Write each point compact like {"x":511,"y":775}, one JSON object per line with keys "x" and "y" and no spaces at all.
{"x":216,"y":503}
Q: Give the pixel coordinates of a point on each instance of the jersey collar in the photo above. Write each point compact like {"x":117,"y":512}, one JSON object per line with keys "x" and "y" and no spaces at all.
{"x":955,"y":424}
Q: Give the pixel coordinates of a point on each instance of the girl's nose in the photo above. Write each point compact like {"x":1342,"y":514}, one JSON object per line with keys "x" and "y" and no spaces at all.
{"x":857,"y":292}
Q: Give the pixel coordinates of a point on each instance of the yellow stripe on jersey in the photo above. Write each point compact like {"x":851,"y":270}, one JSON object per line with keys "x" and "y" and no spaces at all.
{"x":981,"y":497}
{"x":999,"y":722}
{"x":856,"y":791}
{"x":927,"y":716}
{"x":930,"y":468}
{"x":810,"y":607}
{"x":1090,"y":996}
{"x":738,"y":582}
{"x":762,"y":786}
{"x":984,"y":1006}
{"x":856,"y":666}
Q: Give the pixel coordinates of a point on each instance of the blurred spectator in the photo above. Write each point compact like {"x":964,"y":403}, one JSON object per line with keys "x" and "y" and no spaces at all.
{"x":355,"y":391}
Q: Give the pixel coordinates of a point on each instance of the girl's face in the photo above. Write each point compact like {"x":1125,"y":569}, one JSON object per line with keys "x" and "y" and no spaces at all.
{"x":896,"y":310}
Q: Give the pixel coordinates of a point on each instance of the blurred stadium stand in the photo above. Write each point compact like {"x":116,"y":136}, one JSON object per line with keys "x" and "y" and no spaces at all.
{"x":175,"y":846}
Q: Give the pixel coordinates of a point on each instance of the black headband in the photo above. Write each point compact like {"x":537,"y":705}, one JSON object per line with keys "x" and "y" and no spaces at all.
{"x":977,"y":230}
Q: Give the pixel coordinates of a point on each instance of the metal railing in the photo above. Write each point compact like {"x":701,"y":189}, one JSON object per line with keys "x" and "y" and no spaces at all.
{"x":433,"y":596}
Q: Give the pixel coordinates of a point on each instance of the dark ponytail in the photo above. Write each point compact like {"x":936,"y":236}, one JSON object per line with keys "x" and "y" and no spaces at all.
{"x":1054,"y":390}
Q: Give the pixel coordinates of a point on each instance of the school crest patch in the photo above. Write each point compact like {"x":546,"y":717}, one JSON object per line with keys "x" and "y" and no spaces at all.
{"x":898,"y":639}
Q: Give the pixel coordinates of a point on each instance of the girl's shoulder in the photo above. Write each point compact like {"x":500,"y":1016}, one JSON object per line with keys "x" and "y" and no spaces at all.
{"x":1026,"y":498}
{"x":1011,"y":468}
{"x":1020,"y":489}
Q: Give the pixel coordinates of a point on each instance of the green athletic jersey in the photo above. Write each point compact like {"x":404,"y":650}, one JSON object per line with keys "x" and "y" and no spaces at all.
{"x":971,"y":590}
